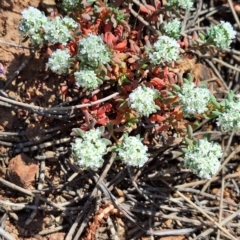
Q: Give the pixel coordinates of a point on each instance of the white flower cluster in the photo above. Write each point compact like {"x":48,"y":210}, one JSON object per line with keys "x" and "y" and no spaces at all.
{"x":230,"y":118}
{"x":193,"y":99}
{"x":165,"y":49}
{"x":70,"y":4}
{"x":58,"y":30}
{"x":60,"y":61}
{"x":93,"y":51}
{"x":32,"y":24}
{"x":221,"y":35}
{"x":132,"y":151}
{"x":184,"y":4}
{"x":87,"y":78}
{"x":202,"y":158}
{"x":172,"y":28}
{"x":142,"y":100}
{"x":38,"y":27}
{"x":88,"y":151}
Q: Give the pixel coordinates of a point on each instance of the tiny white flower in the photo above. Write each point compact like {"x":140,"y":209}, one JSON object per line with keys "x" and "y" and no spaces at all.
{"x":70,"y":4}
{"x":57,"y":30}
{"x":69,"y":22}
{"x":203,"y":158}
{"x":92,"y":51}
{"x":230,"y":118}
{"x":142,"y":100}
{"x":221,"y":35}
{"x":32,"y":23}
{"x":193,"y":99}
{"x":132,"y":151}
{"x":89,"y":150}
{"x":87,"y":78}
{"x":165,"y":50}
{"x":60,"y":61}
{"x":184,"y":4}
{"x":172,"y":28}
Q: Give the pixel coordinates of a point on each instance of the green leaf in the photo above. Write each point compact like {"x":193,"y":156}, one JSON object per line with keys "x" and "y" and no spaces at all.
{"x":188,"y":141}
{"x":106,"y":141}
{"x":189,"y":77}
{"x":77,"y":132}
{"x":184,"y":150}
{"x":189,"y":131}
{"x":203,"y":85}
{"x":230,"y":96}
{"x":201,"y":36}
{"x":176,"y":87}
{"x":213,"y":115}
{"x":214,"y":101}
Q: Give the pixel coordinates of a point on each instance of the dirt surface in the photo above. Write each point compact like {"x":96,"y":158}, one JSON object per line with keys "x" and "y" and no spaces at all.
{"x":25,"y":88}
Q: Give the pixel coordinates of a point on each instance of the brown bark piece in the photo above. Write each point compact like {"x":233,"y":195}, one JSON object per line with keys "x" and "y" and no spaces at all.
{"x":22,"y":170}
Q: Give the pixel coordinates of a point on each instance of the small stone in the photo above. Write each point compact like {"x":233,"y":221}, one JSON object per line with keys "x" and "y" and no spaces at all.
{"x":22,"y":171}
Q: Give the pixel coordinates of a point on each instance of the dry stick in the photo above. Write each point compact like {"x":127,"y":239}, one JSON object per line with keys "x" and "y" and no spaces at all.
{"x":221,"y":206}
{"x":15,"y":74}
{"x":42,"y":145}
{"x":58,"y":108}
{"x":201,"y":210}
{"x":196,"y":15}
{"x":217,"y":73}
{"x":237,"y":150}
{"x":169,"y":216}
{"x":145,"y":23}
{"x":38,"y":112}
{"x":201,"y":182}
{"x":40,"y":186}
{"x":140,"y":4}
{"x":6,"y":235}
{"x":88,"y":202}
{"x":226,"y":64}
{"x":207,"y":195}
{"x":14,"y":45}
{"x":17,"y":188}
{"x":234,"y":12}
{"x":193,"y":30}
{"x":232,"y":51}
{"x":21,"y":206}
{"x":185,"y":21}
{"x":229,"y":141}
{"x":49,"y":231}
{"x":222,"y":223}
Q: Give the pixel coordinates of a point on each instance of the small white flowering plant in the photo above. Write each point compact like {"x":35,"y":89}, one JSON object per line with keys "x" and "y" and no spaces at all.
{"x":184,"y":4}
{"x":92,"y":51}
{"x":40,"y":29}
{"x":229,"y":116}
{"x":221,"y":35}
{"x":132,"y":151}
{"x":172,"y":28}
{"x":87,"y":78}
{"x":69,"y":5}
{"x":60,"y":61}
{"x":31,"y":25}
{"x":164,"y":50}
{"x":59,"y":29}
{"x":194,"y":100}
{"x":89,"y":147}
{"x":202,"y":158}
{"x":142,"y":100}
